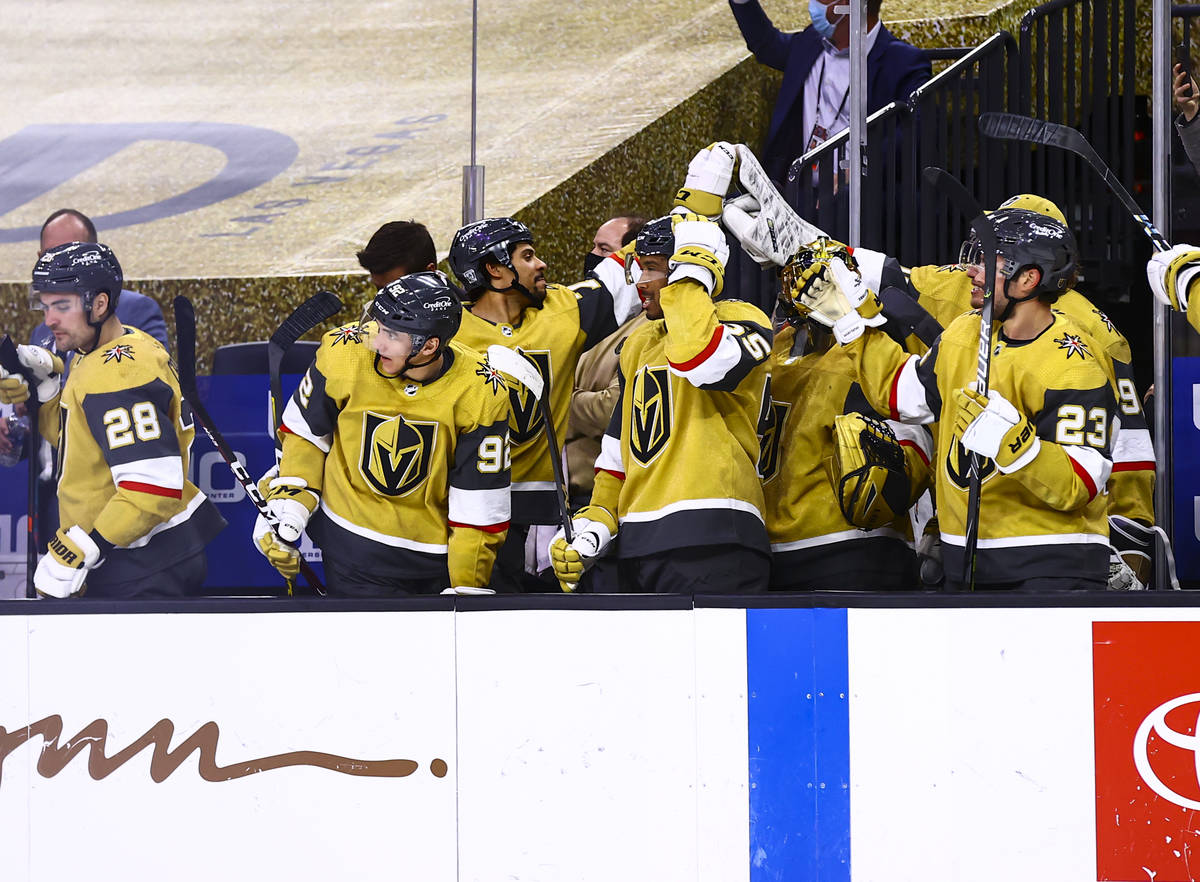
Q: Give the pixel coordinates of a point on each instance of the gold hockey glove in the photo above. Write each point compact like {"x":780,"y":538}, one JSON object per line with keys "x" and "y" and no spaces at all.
{"x":869,"y":471}
{"x":1172,"y":272}
{"x":594,"y":528}
{"x":46,"y":368}
{"x":700,"y":252}
{"x":992,"y":427}
{"x":70,"y":554}
{"x":708,"y":178}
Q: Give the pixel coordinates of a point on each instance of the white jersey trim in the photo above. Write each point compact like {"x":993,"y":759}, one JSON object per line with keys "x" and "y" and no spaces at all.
{"x":692,"y":505}
{"x":1019,"y":541}
{"x":383,"y":538}
{"x":480,"y":508}
{"x":610,"y":454}
{"x":843,"y":536}
{"x":178,"y":519}
{"x":1092,"y":461}
{"x":724,"y":358}
{"x":870,"y":267}
{"x":161,"y":471}
{"x":1133,"y":445}
{"x":531,"y":486}
{"x":911,"y":403}
{"x":294,"y":421}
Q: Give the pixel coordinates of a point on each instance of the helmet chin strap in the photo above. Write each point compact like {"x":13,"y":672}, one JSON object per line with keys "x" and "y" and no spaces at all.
{"x":1006,"y":313}
{"x":519,"y":288}
{"x":96,"y":327}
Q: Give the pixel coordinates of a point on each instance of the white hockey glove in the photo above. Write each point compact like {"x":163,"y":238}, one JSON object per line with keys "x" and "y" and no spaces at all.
{"x":700,"y":252}
{"x":708,"y":178}
{"x":992,"y":427}
{"x":70,"y":555}
{"x":833,"y":295}
{"x":46,"y":368}
{"x":290,"y":504}
{"x":1171,"y":272}
{"x":594,"y":528}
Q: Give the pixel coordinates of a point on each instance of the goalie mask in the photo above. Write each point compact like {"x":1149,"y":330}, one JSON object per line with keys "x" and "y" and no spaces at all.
{"x":491,"y":239}
{"x":1028,"y":240}
{"x":422,"y":305}
{"x":807,"y":267}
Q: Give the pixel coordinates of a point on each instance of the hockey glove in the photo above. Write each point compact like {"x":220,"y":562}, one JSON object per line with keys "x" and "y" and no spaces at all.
{"x":708,"y":177}
{"x":594,"y":528}
{"x":1171,"y":272}
{"x":290,"y":504}
{"x":700,"y":252}
{"x":838,"y":299}
{"x":992,"y":427}
{"x":869,"y":471}
{"x":62,"y":571}
{"x":46,"y":369}
{"x":1132,"y":546}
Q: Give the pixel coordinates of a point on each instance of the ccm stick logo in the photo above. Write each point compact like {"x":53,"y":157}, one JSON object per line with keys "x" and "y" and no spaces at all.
{"x":164,"y":761}
{"x":1156,"y":724}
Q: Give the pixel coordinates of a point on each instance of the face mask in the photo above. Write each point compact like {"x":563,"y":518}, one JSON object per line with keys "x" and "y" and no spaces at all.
{"x":591,"y":261}
{"x":817,"y":11}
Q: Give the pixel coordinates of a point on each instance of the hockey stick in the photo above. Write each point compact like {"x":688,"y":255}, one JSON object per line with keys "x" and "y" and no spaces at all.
{"x":316,"y":309}
{"x":185,"y":350}
{"x":1013,"y":127}
{"x":516,"y":365}
{"x":958,"y":196}
{"x":12,"y":363}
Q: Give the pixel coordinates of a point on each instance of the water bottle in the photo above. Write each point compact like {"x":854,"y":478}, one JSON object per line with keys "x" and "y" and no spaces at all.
{"x":18,"y":433}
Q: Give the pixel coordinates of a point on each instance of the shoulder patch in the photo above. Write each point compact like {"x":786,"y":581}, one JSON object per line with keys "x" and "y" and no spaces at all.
{"x":1074,"y":345}
{"x":118,"y":353}
{"x":1105,"y":320}
{"x":346,"y":334}
{"x":491,"y":376}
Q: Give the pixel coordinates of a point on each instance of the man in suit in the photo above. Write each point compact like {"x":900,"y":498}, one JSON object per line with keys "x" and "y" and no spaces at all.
{"x":813,"y":102}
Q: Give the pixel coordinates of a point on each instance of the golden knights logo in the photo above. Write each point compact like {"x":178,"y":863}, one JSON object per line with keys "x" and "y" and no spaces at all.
{"x":118,"y":352}
{"x":1074,"y":345}
{"x":770,"y":440}
{"x":345,"y":335}
{"x":958,"y":465}
{"x":396,"y":453}
{"x":650,"y":417}
{"x":527,"y":419}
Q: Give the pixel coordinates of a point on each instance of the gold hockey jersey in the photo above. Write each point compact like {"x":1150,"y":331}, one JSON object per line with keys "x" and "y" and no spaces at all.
{"x":804,"y":520}
{"x":1047,"y":519}
{"x":413,"y":477}
{"x":551,"y":338}
{"x":683,"y":444}
{"x":945,"y":292}
{"x":124,"y":439}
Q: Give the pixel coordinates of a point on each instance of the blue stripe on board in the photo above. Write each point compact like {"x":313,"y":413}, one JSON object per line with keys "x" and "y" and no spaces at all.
{"x":799,"y":736}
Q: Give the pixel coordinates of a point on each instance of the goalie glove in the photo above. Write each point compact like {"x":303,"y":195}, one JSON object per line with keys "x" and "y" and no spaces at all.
{"x":290,"y":503}
{"x":992,"y":427}
{"x":594,"y":527}
{"x":1172,"y":272}
{"x":1132,"y":547}
{"x":831,"y":294}
{"x":868,"y":471}
{"x":700,"y":252}
{"x":70,"y":555}
{"x":43,"y":365}
{"x":708,"y":178}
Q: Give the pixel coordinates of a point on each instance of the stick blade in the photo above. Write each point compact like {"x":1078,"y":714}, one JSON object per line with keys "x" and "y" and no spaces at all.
{"x":321,"y":307}
{"x":517,"y":366}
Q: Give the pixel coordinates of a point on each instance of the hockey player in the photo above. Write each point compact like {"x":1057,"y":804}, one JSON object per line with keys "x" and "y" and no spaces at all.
{"x":510,"y":303}
{"x":396,"y":446}
{"x":1045,"y":427}
{"x":838,"y":478}
{"x":677,"y":470}
{"x":131,"y":524}
{"x":1174,"y":277}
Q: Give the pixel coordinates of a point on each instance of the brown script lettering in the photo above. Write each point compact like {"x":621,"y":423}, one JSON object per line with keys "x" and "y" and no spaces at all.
{"x":164,"y":761}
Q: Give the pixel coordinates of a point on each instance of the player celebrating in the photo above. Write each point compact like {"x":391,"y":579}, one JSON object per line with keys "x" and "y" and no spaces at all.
{"x":1045,"y":427}
{"x":396,"y":445}
{"x":677,"y":469}
{"x":132,"y":524}
{"x":511,"y":304}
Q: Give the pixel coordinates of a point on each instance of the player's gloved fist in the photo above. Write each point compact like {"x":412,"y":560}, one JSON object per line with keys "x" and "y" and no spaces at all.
{"x":700,"y":252}
{"x":70,"y":554}
{"x":283,"y":556}
{"x":992,"y":427}
{"x":1171,"y":272}
{"x":708,"y":178}
{"x":594,"y":528}
{"x":44,"y":366}
{"x":290,"y":503}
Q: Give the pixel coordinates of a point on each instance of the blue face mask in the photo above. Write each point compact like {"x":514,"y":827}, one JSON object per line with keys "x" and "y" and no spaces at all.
{"x":817,"y":11}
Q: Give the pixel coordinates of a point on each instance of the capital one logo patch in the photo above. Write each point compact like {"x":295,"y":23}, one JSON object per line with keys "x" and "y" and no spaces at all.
{"x":1146,"y":689}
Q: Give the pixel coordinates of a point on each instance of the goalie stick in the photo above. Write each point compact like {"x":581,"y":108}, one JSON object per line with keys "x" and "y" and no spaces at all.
{"x":1014,"y":127}
{"x":316,"y":309}
{"x":185,"y":348}
{"x":958,"y":196}
{"x":513,"y":363}
{"x":12,"y":363}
